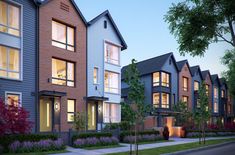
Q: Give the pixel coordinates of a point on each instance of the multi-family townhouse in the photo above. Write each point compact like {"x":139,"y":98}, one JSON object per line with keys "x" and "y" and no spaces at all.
{"x":105,"y":43}
{"x":185,"y":80}
{"x":18,"y":49}
{"x":195,"y":84}
{"x":216,"y":106}
{"x":224,"y":100}
{"x":160,"y":78}
{"x":230,"y":108}
{"x":62,"y":64}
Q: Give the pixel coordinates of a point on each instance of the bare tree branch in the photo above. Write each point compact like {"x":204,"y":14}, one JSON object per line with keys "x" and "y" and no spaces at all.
{"x":224,"y":39}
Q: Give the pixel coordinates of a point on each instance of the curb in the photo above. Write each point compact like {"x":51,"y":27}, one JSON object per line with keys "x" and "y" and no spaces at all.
{"x":199,"y":149}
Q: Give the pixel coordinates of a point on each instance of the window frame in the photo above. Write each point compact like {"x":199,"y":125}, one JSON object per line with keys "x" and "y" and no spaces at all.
{"x":66,"y":37}
{"x":74,"y":112}
{"x":155,"y":84}
{"x":194,"y":85}
{"x":156,"y":105}
{"x":119,"y":52}
{"x":109,"y":117}
{"x":13,"y":93}
{"x":222,"y":93}
{"x":20,"y":6}
{"x":187,"y":84}
{"x":168,"y":85}
{"x":97,"y":76}
{"x":109,"y":83}
{"x":66,"y":76}
{"x":167,"y":105}
{"x":187,"y":102}
{"x":7,"y":67}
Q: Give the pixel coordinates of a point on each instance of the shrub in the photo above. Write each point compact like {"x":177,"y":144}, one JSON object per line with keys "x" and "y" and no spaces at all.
{"x":166,"y":133}
{"x":40,"y":146}
{"x":94,"y":134}
{"x":1,"y":149}
{"x":111,"y":126}
{"x":132,"y":133}
{"x":6,"y":140}
{"x":142,"y":138}
{"x":93,"y":141}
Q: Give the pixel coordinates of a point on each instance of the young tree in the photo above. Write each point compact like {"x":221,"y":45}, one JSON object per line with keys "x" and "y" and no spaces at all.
{"x":202,"y":113}
{"x":136,"y":96}
{"x":80,"y":121}
{"x":128,"y":115}
{"x":183,"y":114}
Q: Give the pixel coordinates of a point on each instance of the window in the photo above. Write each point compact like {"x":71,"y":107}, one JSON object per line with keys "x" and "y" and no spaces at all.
{"x":9,"y":63}
{"x":165,"y":100}
{"x":197,"y":102}
{"x":216,"y":92}
{"x":111,"y":81}
{"x":156,"y":100}
{"x":165,"y":79}
{"x":112,"y":54}
{"x":185,"y":100}
{"x":70,"y":110}
{"x":105,"y":24}
{"x":223,"y":94}
{"x":196,"y":85}
{"x":207,"y":89}
{"x":62,"y":72}
{"x":13,"y":98}
{"x":216,"y":106}
{"x":112,"y":113}
{"x":229,"y":108}
{"x":185,"y":84}
{"x":63,"y":36}
{"x":9,"y":18}
{"x":156,"y":79}
{"x":95,"y":75}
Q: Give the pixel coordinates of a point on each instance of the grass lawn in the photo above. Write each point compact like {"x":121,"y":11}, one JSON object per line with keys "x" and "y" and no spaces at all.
{"x":102,"y":147}
{"x":170,"y":149}
{"x":151,"y":142}
{"x":37,"y":153}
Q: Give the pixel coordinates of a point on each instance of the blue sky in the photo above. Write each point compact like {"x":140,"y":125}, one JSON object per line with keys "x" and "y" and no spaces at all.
{"x":146,"y":33}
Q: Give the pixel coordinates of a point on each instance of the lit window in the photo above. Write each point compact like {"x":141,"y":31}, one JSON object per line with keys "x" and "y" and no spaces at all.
{"x":112,"y":54}
{"x":216,"y":107}
{"x":111,"y":82}
{"x":165,"y":79}
{"x":95,"y":75}
{"x":70,"y":110}
{"x":111,"y":113}
{"x":62,"y":72}
{"x":156,"y":79}
{"x":207,"y":89}
{"x":185,"y":84}
{"x":185,"y":100}
{"x":165,"y":100}
{"x":196,"y":85}
{"x":62,"y":36}
{"x":9,"y":63}
{"x":13,"y":99}
{"x":216,"y":92}
{"x":156,"y":100}
{"x":223,"y":94}
{"x":9,"y":18}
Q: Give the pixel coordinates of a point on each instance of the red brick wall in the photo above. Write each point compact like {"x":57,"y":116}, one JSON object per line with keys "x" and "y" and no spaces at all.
{"x":46,"y":51}
{"x":185,"y":73}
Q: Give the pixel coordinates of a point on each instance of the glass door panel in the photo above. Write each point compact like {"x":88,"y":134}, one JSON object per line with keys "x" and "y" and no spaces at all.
{"x":45,"y":115}
{"x":91,"y":116}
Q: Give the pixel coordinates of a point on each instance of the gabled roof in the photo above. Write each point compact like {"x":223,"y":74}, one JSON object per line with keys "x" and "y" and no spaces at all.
{"x":44,"y":2}
{"x":204,"y":74}
{"x":194,"y":69}
{"x":215,"y":77}
{"x":106,"y":13}
{"x":151,"y":65}
{"x":180,"y":65}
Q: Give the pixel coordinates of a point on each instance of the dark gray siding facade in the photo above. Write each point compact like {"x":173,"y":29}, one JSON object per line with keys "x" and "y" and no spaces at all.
{"x":28,"y":41}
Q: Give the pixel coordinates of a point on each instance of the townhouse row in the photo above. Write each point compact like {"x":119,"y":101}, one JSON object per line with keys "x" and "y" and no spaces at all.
{"x":167,"y":81}
{"x":54,"y":63}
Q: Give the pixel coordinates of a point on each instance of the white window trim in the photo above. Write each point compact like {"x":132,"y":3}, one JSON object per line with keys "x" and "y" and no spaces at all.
{"x":13,"y":93}
{"x":119,"y":83}
{"x":119,"y":52}
{"x":98,"y":77}
{"x":110,"y":115}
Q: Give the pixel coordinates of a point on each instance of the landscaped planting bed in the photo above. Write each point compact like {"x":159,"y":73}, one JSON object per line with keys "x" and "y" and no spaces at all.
{"x":210,"y":133}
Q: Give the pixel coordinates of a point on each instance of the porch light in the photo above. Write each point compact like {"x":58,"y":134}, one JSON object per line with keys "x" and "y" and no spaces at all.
{"x":99,"y":108}
{"x":56,"y":106}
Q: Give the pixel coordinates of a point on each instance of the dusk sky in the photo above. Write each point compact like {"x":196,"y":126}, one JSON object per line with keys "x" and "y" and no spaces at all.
{"x":142,"y":25}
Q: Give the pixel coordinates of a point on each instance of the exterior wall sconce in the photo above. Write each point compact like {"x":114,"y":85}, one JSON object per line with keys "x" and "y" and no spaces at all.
{"x":99,"y":108}
{"x":56,"y":106}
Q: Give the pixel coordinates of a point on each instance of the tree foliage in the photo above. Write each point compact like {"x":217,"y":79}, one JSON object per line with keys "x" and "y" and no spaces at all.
{"x":79,"y":123}
{"x":198,"y":23}
{"x":183,"y":114}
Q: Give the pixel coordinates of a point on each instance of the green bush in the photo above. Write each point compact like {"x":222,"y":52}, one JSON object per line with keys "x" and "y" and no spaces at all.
{"x":6,"y":140}
{"x":132,"y":133}
{"x":93,"y":134}
{"x":111,"y":126}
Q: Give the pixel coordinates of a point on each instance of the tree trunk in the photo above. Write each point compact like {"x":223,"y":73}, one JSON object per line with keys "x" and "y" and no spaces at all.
{"x":130,"y":142}
{"x":232,"y":31}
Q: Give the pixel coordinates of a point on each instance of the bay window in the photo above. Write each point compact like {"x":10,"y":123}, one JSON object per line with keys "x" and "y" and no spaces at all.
{"x":63,"y":36}
{"x":13,"y":98}
{"x":62,"y":72}
{"x":112,"y":54}
{"x":111,"y":82}
{"x":70,"y":110}
{"x":156,"y":100}
{"x":9,"y":63}
{"x":111,"y":113}
{"x":156,"y":79}
{"x":185,"y":84}
{"x":165,"y":79}
{"x":165,"y":100}
{"x":9,"y":18}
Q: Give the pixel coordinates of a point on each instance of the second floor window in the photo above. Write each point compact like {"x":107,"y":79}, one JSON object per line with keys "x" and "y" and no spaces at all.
{"x":216,"y":107}
{"x":95,"y":75}
{"x":222,"y":93}
{"x":9,"y":63}
{"x":112,"y":54}
{"x":196,"y":85}
{"x":165,"y":79}
{"x":156,"y":79}
{"x":185,"y":84}
{"x":156,"y":100}
{"x":216,"y":92}
{"x":111,"y":82}
{"x":62,"y":72}
{"x":165,"y":100}
{"x":63,"y":36}
{"x":207,"y":89}
{"x":9,"y":18}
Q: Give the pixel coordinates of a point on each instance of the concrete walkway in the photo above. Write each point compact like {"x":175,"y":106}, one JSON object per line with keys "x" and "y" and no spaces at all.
{"x":125,"y":148}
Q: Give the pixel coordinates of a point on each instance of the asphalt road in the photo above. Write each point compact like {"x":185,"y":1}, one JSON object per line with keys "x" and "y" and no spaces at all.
{"x":221,"y":150}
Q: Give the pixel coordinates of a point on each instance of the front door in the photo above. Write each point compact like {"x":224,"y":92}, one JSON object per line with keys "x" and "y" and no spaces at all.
{"x":45,"y":114}
{"x":91,"y":116}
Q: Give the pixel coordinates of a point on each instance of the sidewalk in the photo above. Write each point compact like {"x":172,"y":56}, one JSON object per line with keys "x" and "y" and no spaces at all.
{"x":125,"y":148}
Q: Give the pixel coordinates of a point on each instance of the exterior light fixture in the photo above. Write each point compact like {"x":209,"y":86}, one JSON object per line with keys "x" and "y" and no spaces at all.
{"x":56,"y":106}
{"x":99,"y":108}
